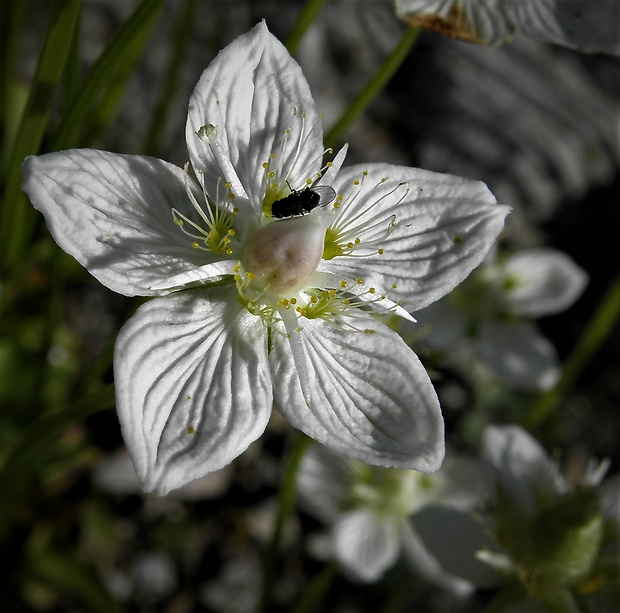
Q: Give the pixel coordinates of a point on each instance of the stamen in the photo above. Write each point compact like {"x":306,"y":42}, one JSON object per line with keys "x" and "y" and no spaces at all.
{"x":208,"y":134}
{"x":343,"y":237}
{"x":218,"y":219}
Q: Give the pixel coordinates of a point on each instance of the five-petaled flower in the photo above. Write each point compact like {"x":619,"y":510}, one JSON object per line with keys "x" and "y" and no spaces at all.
{"x":266,"y":292}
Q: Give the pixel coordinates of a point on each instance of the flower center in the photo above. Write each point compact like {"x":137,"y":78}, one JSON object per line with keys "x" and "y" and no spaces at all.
{"x":280,"y":257}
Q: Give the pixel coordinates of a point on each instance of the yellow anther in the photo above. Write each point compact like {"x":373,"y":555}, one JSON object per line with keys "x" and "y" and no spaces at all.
{"x":343,"y":283}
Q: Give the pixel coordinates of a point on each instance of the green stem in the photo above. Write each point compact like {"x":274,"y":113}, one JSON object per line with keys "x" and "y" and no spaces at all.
{"x":306,"y":17}
{"x":286,"y":502}
{"x":72,"y":74}
{"x":184,"y":26}
{"x":374,"y":86}
{"x":598,"y":329}
{"x":312,"y":597}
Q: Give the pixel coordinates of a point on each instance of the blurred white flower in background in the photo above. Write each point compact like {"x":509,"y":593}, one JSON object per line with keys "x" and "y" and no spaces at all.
{"x":557,"y":541}
{"x":368,"y":511}
{"x":587,"y":25}
{"x":488,"y":318}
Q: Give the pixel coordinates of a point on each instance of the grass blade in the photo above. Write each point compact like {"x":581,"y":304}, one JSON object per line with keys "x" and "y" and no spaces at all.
{"x":17,"y":216}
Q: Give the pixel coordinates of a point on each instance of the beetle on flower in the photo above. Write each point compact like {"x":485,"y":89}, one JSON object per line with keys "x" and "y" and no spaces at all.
{"x":255,"y":308}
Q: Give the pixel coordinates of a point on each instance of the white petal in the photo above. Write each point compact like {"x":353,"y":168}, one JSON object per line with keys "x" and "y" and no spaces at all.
{"x":479,"y":21}
{"x":445,"y":226}
{"x":525,"y":469}
{"x":334,"y":168}
{"x":461,"y":483}
{"x":192,"y":385}
{"x":610,"y":499}
{"x":368,"y":395}
{"x":256,"y":96}
{"x":587,"y":25}
{"x":364,"y":545}
{"x":453,"y":538}
{"x":113,"y":214}
{"x":426,"y":565}
{"x":546,"y":282}
{"x":323,"y":482}
{"x":519,"y":355}
{"x":212,"y":272}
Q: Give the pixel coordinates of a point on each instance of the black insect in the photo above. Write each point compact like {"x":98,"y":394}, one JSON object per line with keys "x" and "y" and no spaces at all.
{"x":301,"y":202}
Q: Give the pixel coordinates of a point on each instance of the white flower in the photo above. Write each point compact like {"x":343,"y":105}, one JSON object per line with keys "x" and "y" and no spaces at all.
{"x":255,"y":306}
{"x":369,"y":510}
{"x":491,"y":312}
{"x":588,"y":25}
{"x":536,"y":530}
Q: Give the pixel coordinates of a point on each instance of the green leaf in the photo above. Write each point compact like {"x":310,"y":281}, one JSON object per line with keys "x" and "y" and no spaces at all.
{"x":33,"y":447}
{"x":169,"y":89}
{"x":122,"y":45}
{"x":569,"y":533}
{"x":11,"y":18}
{"x":69,"y":575}
{"x":18,"y":216}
